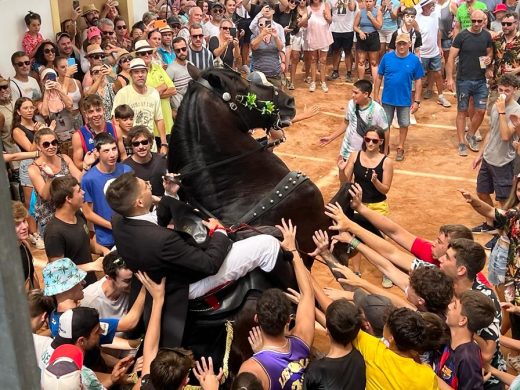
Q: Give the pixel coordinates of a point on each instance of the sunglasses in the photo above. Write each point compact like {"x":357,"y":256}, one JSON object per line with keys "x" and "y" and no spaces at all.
{"x":375,"y":141}
{"x":4,"y":87}
{"x":144,"y":142}
{"x":125,"y":59}
{"x":183,"y":49}
{"x":48,"y":144}
{"x":121,"y":27}
{"x":198,"y":36}
{"x":144,"y":53}
{"x":217,"y":11}
{"x":175,"y":26}
{"x":225,"y":28}
{"x":108,"y":32}
{"x":22,"y":63}
{"x":48,"y":51}
{"x":508,"y":24}
{"x":476,"y":21}
{"x":97,"y":56}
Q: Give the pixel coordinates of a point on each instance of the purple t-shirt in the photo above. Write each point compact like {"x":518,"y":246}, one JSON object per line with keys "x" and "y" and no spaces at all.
{"x":285,"y":368}
{"x":461,"y":368}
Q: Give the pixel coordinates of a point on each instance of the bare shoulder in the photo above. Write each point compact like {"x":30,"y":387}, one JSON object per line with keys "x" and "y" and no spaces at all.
{"x":252,"y":366}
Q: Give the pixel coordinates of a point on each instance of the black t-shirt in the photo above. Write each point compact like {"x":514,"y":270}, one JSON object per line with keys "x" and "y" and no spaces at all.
{"x":471,"y":46}
{"x":227,"y":57}
{"x":151,"y":171}
{"x":415,"y":37}
{"x":27,"y":262}
{"x":347,"y":372}
{"x":63,"y":239}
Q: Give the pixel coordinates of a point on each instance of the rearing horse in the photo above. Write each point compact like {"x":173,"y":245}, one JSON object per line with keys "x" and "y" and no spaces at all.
{"x":225,"y":170}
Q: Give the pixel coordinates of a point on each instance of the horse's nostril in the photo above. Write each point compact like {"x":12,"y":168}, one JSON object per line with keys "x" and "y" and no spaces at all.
{"x":290,"y":101}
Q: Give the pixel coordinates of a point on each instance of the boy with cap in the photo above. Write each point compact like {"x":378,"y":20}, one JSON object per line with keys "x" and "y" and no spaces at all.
{"x":64,"y":369}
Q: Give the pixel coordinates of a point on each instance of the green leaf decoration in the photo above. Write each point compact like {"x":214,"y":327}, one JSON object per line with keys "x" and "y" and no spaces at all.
{"x":251,"y":100}
{"x":268,"y":107}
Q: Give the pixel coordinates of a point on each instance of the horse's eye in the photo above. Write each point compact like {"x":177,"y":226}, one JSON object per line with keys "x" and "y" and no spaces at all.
{"x":275,"y":93}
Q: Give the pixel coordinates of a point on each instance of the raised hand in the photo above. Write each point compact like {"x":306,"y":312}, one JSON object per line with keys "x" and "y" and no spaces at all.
{"x":256,"y":341}
{"x":156,"y":290}
{"x":321,"y":239}
{"x":334,"y":211}
{"x":289,"y":235}
{"x":205,"y":374}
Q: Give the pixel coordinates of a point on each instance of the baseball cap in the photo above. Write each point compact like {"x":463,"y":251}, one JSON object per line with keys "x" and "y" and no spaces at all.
{"x":75,"y":323}
{"x":46,"y":72}
{"x":500,"y":8}
{"x":93,"y":32}
{"x":375,"y":307}
{"x":137,"y":63}
{"x":217,"y":4}
{"x":60,"y":276}
{"x":173,"y":20}
{"x":64,"y":369}
{"x":258,"y":78}
{"x":403,"y":38}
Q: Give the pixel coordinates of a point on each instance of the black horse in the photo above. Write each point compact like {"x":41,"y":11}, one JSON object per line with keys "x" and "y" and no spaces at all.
{"x":228,"y":174}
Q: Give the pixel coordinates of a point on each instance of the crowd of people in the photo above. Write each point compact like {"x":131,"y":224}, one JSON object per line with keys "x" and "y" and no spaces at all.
{"x":85,"y":126}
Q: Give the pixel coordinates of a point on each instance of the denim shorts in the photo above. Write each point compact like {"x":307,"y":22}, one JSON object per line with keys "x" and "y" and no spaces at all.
{"x":446,"y":44}
{"x":433,"y":64}
{"x":403,"y":114}
{"x":497,"y":264}
{"x":25,"y":181}
{"x":472,"y":88}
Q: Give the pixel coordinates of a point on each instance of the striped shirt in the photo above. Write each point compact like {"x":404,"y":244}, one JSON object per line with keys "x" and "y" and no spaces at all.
{"x":202,"y":59}
{"x":181,"y":78}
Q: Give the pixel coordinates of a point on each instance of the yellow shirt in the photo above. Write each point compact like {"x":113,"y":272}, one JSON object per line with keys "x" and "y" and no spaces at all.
{"x":157,"y":76}
{"x":387,"y":370}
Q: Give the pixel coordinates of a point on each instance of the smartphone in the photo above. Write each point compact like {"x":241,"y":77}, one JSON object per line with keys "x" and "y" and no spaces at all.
{"x":160,"y":24}
{"x":71,"y":61}
{"x":233,"y":32}
{"x":267,"y":24}
{"x":51,"y":77}
{"x":75,"y":4}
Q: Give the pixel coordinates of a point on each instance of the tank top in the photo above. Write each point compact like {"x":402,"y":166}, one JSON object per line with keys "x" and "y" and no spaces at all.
{"x":363,"y":177}
{"x":87,"y":136}
{"x":364,"y":23}
{"x":446,"y":20}
{"x":319,"y":35}
{"x":28,"y":133}
{"x":75,"y":96}
{"x":285,"y":369}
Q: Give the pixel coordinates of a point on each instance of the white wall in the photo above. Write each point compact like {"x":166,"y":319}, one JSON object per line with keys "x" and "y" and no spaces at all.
{"x":12,"y":27}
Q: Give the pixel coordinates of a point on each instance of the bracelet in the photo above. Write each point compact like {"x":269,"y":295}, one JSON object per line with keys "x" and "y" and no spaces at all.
{"x":354,"y":243}
{"x":501,"y":113}
{"x":165,"y":145}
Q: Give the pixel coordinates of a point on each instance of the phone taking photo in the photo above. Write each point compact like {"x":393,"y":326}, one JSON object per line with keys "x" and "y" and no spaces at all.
{"x":75,"y":4}
{"x":233,"y":32}
{"x":268,"y":24}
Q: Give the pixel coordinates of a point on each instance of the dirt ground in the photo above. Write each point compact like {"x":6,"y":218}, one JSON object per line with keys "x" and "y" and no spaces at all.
{"x":424,"y":192}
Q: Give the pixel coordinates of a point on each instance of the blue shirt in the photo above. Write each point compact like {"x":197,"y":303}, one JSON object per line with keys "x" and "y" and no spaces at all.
{"x":108,"y":327}
{"x":94,"y":183}
{"x":398,"y":73}
{"x":390,"y":24}
{"x":166,"y":56}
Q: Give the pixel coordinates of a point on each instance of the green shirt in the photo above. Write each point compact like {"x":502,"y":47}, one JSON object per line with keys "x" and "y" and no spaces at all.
{"x":463,"y":16}
{"x":157,"y":76}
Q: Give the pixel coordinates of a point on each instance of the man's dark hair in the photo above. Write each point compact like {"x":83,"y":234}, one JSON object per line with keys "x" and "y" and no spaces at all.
{"x":195,"y":26}
{"x":139,"y":130}
{"x":273,"y":310}
{"x":343,"y":321}
{"x":478,"y":309}
{"x":91,"y":101}
{"x":248,"y":381}
{"x":408,"y":329}
{"x":409,"y":11}
{"x":437,"y":331}
{"x":177,"y":40}
{"x":103,"y":138}
{"x":434,"y":286}
{"x":112,"y":263}
{"x":513,"y":15}
{"x":122,"y":193}
{"x":39,"y":303}
{"x":469,"y":254}
{"x":88,"y":319}
{"x":364,"y":86}
{"x":123,"y":111}
{"x":456,"y":231}
{"x":16,"y":55}
{"x":508,"y":80}
{"x":62,"y":188}
{"x":169,"y":368}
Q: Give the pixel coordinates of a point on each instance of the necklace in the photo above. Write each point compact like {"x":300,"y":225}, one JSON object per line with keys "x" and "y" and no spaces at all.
{"x":275,"y":346}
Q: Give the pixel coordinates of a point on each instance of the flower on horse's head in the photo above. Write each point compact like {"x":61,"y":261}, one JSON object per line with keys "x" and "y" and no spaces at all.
{"x":250,"y":100}
{"x":268,"y":107}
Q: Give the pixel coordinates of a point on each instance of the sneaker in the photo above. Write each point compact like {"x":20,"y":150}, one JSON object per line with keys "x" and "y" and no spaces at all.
{"x":443,"y":102}
{"x":37,"y":241}
{"x":428,"y":94}
{"x":413,"y":121}
{"x":400,"y":154}
{"x":348,"y":77}
{"x":484,"y":228}
{"x":333,"y":76}
{"x":308,"y":80}
{"x":491,"y":243}
{"x":472,"y":142}
{"x":290,"y":86}
{"x":312,"y":87}
{"x":386,"y":283}
{"x":324,"y":87}
{"x":463,"y":151}
{"x":478,"y":136}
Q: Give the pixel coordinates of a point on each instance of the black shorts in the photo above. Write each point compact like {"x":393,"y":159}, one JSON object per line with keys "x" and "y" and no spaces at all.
{"x":342,"y":40}
{"x":371,"y":43}
{"x":498,"y":180}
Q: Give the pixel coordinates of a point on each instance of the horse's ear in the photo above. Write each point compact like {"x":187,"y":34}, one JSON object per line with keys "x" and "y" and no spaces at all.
{"x":215,"y":80}
{"x":193,"y":71}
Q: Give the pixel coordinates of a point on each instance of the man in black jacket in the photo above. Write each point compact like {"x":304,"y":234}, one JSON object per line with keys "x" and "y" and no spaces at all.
{"x":190,"y":271}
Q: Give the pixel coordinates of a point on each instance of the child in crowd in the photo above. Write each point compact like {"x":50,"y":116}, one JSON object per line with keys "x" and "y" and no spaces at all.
{"x":407,"y":27}
{"x":499,"y":12}
{"x":32,"y":37}
{"x":124,"y":116}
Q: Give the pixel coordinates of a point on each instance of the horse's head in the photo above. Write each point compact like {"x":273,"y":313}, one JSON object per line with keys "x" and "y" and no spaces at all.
{"x":257,"y":102}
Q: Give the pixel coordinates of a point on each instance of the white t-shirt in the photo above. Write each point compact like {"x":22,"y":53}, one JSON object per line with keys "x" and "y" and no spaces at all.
{"x":429,"y":27}
{"x":342,"y":17}
{"x":30,"y":89}
{"x":210,"y":30}
{"x":41,"y":343}
{"x":95,"y":297}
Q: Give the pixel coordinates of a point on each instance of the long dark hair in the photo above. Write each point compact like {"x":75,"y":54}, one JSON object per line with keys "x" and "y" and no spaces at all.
{"x":39,"y":56}
{"x":17,"y":118}
{"x":380,"y":133}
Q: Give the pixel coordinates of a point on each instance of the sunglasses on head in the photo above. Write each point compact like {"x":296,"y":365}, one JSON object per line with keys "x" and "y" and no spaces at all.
{"x":178,"y":50}
{"x":47,"y":144}
{"x":4,"y":87}
{"x":22,"y":63}
{"x":507,"y":24}
{"x":48,"y":51}
{"x":198,"y":36}
{"x":108,"y":32}
{"x":97,"y":56}
{"x":144,"y":53}
{"x":476,"y":20}
{"x":375,"y":141}
{"x":123,"y":27}
{"x":144,"y":142}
